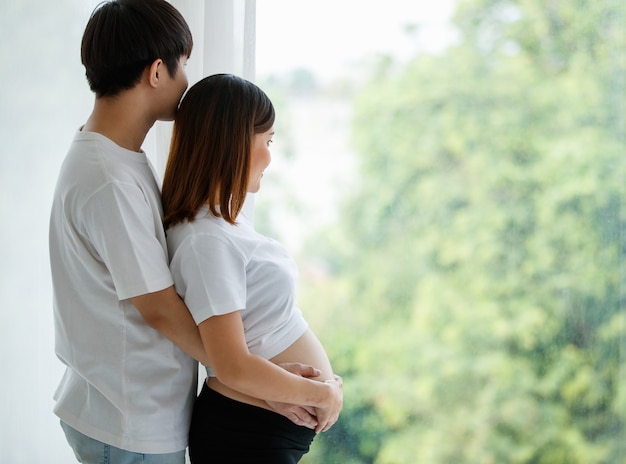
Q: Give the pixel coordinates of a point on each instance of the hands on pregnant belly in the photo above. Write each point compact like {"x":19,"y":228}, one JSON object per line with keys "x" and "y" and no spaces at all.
{"x":320,"y":419}
{"x":307,"y":358}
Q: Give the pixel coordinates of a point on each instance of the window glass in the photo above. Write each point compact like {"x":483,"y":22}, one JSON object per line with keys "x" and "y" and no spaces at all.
{"x":451,"y":181}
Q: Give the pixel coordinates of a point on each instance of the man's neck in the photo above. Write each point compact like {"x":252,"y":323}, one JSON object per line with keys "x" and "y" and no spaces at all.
{"x":121,"y":120}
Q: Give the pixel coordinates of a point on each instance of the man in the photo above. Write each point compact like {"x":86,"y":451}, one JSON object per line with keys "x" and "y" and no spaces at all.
{"x":126,"y":338}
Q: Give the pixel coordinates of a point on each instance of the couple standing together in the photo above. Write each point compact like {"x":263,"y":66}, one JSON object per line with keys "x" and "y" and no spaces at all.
{"x":147,"y":283}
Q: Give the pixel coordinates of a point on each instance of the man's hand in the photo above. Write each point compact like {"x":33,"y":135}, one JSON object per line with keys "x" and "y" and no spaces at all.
{"x":299,"y":415}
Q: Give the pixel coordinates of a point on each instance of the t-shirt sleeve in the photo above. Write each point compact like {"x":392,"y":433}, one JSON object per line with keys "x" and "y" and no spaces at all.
{"x":212,"y":274}
{"x":120,"y":225}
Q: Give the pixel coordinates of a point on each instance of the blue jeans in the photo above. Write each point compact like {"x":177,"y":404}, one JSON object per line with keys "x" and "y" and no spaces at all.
{"x":90,"y":451}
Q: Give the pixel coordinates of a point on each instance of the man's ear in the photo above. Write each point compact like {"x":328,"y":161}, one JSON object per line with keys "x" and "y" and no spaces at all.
{"x":155,"y":71}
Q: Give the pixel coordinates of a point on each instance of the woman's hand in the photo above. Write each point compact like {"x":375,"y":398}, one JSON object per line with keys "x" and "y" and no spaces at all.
{"x":299,"y":415}
{"x":327,"y":416}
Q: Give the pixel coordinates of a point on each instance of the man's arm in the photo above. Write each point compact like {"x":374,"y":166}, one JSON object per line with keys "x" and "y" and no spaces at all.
{"x":166,"y":312}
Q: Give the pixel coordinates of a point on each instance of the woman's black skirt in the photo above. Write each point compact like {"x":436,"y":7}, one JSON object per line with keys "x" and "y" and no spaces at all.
{"x":228,"y":431}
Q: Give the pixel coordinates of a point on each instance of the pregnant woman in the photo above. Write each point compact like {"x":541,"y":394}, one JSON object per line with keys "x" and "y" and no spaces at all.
{"x":239,"y":285}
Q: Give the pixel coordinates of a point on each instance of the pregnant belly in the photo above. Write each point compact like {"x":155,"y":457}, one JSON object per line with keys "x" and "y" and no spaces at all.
{"x":306,"y":350}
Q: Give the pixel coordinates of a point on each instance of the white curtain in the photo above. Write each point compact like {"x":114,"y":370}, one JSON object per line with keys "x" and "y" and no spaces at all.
{"x":39,"y":117}
{"x":224,"y":42}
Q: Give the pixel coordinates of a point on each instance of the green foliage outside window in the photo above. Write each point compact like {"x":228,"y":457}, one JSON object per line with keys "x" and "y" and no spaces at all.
{"x":474,"y":302}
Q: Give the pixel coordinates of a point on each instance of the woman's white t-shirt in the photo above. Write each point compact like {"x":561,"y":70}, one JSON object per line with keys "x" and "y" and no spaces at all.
{"x":219,"y":268}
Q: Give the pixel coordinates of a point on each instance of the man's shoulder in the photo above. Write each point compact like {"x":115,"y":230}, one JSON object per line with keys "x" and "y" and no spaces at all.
{"x":92,"y":162}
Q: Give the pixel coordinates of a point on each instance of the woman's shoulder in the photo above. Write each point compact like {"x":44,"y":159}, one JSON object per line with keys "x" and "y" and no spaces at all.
{"x":209,"y":228}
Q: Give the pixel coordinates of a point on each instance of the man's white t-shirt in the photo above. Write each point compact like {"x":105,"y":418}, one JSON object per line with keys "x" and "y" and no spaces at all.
{"x":125,"y":384}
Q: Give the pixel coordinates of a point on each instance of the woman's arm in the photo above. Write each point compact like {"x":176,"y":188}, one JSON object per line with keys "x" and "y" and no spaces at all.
{"x":237,"y":368}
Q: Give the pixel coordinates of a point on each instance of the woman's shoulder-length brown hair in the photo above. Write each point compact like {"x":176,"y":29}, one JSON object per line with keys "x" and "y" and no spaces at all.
{"x":209,"y":159}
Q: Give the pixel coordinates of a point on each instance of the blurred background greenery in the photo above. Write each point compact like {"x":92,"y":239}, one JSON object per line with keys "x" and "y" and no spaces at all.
{"x":471,"y":290}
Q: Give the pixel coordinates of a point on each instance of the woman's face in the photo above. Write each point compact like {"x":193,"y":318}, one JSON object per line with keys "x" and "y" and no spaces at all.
{"x":260,"y":158}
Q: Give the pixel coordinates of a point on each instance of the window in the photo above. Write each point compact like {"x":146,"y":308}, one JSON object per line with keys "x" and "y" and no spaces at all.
{"x":456,"y":204}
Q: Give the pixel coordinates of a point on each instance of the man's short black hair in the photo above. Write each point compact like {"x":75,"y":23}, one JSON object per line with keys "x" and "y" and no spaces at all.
{"x":122,"y":37}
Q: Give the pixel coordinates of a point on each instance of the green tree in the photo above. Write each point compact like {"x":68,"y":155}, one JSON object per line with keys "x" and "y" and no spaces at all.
{"x":475,"y":298}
